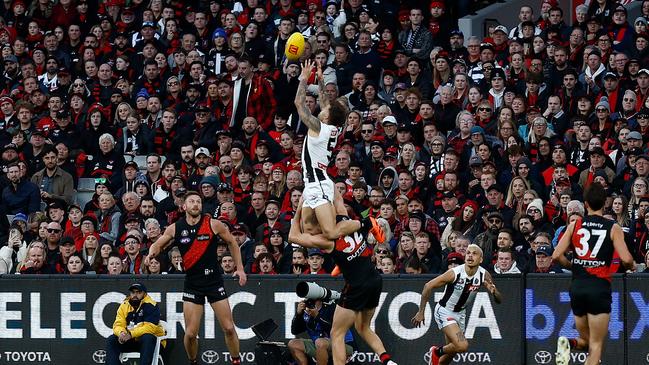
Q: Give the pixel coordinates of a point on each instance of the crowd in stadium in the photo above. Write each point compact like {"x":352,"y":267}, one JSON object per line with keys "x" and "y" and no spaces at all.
{"x":450,"y":139}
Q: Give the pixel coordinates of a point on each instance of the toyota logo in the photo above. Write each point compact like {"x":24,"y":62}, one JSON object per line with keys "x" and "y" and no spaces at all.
{"x":543,"y":357}
{"x":210,"y":357}
{"x":99,"y":356}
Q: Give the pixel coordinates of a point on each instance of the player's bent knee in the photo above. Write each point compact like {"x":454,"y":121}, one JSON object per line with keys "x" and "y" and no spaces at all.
{"x":293,"y":343}
{"x":321,"y":344}
{"x":191,"y":333}
{"x":229,"y":330}
{"x":462,"y":346}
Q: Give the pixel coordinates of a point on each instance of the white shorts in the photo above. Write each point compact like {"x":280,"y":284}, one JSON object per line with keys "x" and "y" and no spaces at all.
{"x":445,"y":317}
{"x":318,"y":193}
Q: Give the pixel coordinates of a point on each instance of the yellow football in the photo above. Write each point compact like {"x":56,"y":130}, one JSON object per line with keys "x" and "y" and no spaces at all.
{"x":294,"y":46}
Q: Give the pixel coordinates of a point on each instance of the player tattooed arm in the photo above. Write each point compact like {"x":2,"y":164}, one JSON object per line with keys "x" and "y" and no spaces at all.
{"x":491,"y":287}
{"x":161,"y":243}
{"x":300,"y":98}
{"x":322,"y":97}
{"x":233,"y":246}
{"x":437,"y":282}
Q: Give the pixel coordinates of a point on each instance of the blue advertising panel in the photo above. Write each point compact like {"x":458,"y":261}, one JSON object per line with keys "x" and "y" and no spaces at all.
{"x":637,"y":304}
{"x":548,"y":315}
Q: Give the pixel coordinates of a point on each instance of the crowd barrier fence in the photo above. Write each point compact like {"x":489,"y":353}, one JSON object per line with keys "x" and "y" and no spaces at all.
{"x":65,"y":319}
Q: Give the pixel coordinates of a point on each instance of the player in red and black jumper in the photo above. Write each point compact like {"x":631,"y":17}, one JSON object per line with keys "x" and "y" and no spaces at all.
{"x":363,"y":284}
{"x":597,"y":243}
{"x":196,"y":236}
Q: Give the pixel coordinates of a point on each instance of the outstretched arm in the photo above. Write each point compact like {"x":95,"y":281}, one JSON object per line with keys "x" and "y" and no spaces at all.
{"x":225,"y":234}
{"x":300,"y":99}
{"x":491,"y":287}
{"x":437,"y":282}
{"x":161,"y":243}
{"x":322,"y":97}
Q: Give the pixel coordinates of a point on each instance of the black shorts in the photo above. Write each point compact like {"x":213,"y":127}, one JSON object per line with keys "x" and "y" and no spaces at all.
{"x":196,"y":291}
{"x":363,"y":296}
{"x":590,"y":296}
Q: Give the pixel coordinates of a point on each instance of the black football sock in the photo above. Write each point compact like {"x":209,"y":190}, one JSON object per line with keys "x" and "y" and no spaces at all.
{"x":440,"y":351}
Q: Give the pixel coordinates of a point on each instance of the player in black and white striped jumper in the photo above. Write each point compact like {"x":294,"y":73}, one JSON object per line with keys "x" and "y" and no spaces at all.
{"x":462,"y":282}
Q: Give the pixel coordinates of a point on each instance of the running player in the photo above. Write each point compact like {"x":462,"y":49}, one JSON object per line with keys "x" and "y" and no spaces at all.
{"x":196,"y":236}
{"x":363,"y":284}
{"x":319,"y":144}
{"x":462,"y":282}
{"x":594,"y":240}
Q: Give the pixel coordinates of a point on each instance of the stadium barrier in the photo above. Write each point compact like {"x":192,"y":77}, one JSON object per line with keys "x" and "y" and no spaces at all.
{"x":65,"y":319}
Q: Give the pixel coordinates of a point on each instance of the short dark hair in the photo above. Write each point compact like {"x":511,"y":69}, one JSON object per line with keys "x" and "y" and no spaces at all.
{"x":415,"y":263}
{"x":595,"y":196}
{"x":337,"y":113}
{"x":505,"y":250}
{"x":190,"y":193}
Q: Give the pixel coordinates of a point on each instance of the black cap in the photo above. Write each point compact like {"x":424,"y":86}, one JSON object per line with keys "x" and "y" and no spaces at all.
{"x":56,"y":204}
{"x":486,"y":45}
{"x":419,"y":215}
{"x":9,"y":146}
{"x":137,"y":286}
{"x":223,"y":132}
{"x":494,"y":187}
{"x":90,"y":219}
{"x":403,"y":127}
{"x":273,"y":201}
{"x":620,"y":8}
{"x":202,"y":108}
{"x":597,"y":151}
{"x":224,"y":187}
{"x":66,"y":240}
{"x":448,"y":195}
{"x":498,"y":72}
{"x":132,"y":164}
{"x":132,"y":217}
{"x":643,"y":113}
{"x":239,"y":227}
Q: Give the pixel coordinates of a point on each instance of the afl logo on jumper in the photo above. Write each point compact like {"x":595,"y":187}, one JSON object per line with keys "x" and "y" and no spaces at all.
{"x":183,"y":237}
